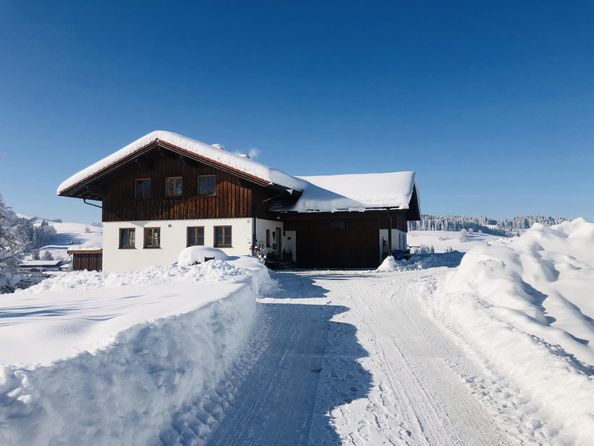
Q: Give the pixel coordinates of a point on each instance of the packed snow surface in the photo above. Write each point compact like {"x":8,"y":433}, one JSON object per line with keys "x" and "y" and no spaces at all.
{"x":528,"y":308}
{"x":214,"y":153}
{"x":198,"y":254}
{"x":93,"y":358}
{"x":354,"y":192}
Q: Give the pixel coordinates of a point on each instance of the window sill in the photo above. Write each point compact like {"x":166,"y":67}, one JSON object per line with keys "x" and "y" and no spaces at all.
{"x":152,"y":247}
{"x":226,"y":246}
{"x":127,"y":247}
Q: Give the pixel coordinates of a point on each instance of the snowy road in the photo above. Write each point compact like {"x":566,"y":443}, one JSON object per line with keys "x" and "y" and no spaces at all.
{"x":351,"y":358}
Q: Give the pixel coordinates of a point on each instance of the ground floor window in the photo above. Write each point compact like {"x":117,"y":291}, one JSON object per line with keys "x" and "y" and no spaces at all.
{"x":268,"y":238}
{"x":195,"y":236}
{"x":222,"y":237}
{"x":127,"y":238}
{"x":152,"y":237}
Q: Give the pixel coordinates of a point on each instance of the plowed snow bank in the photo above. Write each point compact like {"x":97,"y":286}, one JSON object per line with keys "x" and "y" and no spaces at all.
{"x":528,"y":309}
{"x":121,"y":353}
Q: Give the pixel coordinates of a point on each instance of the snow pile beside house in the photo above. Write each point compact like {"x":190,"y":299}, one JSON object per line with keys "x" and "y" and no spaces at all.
{"x":528,"y":308}
{"x":115,"y":359}
{"x":421,"y":261}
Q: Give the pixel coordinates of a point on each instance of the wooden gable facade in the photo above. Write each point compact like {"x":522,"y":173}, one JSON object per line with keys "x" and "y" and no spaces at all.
{"x":234,"y":197}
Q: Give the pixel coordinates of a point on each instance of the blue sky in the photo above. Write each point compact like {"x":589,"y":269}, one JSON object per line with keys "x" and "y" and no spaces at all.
{"x":491,"y":103}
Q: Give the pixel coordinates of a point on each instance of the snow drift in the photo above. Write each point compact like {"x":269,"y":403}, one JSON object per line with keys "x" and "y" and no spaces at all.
{"x":528,"y":308}
{"x":113,"y":358}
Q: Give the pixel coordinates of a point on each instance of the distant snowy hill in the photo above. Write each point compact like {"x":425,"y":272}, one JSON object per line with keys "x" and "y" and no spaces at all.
{"x":68,"y":235}
{"x":507,"y":226}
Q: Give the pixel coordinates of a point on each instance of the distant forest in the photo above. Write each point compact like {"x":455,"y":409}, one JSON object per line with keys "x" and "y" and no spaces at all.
{"x":507,"y":226}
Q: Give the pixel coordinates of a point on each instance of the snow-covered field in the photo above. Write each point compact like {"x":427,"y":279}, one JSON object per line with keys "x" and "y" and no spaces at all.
{"x":496,"y":351}
{"x":443,"y":241}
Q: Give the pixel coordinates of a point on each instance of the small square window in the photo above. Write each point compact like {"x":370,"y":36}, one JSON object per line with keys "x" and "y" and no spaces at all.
{"x":207,"y":185}
{"x":174,"y":186}
{"x":222,"y":237}
{"x":142,"y":188}
{"x":195,"y":236}
{"x":152,"y":237}
{"x":127,"y":238}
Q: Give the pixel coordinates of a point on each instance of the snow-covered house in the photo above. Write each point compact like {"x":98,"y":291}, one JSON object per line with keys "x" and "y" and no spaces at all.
{"x":165,"y":191}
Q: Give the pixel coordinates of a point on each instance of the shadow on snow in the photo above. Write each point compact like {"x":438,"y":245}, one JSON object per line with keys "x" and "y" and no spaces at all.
{"x":308,"y":368}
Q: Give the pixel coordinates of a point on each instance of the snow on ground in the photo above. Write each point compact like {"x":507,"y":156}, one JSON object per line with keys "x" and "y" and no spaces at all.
{"x":527,"y":308}
{"x":91,"y":357}
{"x":443,"y":241}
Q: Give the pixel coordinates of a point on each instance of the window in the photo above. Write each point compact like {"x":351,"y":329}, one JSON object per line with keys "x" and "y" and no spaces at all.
{"x":268,"y":238}
{"x":207,"y":185}
{"x":152,"y":237}
{"x":195,"y":236}
{"x":142,"y":189}
{"x":222,"y":236}
{"x":337,"y":225}
{"x":127,"y":238}
{"x":174,"y":186}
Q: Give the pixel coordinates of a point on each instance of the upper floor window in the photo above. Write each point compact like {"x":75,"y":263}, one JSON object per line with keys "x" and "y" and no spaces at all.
{"x":142,"y":188}
{"x":174,"y":186}
{"x":195,"y":236}
{"x":152,"y":237}
{"x":222,"y":237}
{"x":207,"y":185}
{"x":127,"y":238}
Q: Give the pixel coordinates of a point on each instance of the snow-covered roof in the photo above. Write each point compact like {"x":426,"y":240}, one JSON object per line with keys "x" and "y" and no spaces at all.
{"x":201,"y":149}
{"x":355,"y":192}
{"x":39,"y":263}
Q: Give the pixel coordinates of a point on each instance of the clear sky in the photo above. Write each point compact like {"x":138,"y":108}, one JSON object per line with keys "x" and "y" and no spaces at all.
{"x":490,"y":102}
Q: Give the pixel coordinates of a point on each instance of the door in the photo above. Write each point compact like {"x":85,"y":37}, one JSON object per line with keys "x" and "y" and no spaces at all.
{"x":279,"y":248}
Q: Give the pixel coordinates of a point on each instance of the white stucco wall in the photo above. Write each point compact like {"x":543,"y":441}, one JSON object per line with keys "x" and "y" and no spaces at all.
{"x":398,"y":239}
{"x":173,"y":240}
{"x":262,"y":226}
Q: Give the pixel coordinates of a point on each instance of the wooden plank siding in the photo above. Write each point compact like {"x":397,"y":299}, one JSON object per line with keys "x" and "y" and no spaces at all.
{"x":321,"y":245}
{"x":233,"y":199}
{"x":88,"y":261}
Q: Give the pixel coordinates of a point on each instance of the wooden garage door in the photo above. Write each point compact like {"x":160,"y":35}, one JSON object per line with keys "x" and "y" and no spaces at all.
{"x":336,"y":243}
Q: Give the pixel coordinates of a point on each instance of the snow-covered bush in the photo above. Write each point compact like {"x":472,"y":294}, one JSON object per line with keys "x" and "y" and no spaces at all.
{"x":464,"y":235}
{"x":200,"y":254}
{"x":12,"y":246}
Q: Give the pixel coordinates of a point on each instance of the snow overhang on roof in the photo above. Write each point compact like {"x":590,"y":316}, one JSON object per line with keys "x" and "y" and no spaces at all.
{"x":242,"y":165}
{"x":355,"y":192}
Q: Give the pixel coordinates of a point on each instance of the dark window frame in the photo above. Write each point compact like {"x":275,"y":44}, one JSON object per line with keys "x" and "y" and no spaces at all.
{"x":175,"y":179}
{"x":150,"y":189}
{"x":149,"y":230}
{"x":227,"y":231}
{"x":214,"y":191}
{"x":195,"y":238}
{"x":131,"y":240}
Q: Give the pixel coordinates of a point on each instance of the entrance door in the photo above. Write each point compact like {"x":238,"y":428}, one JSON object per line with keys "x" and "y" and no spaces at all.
{"x":279,"y":248}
